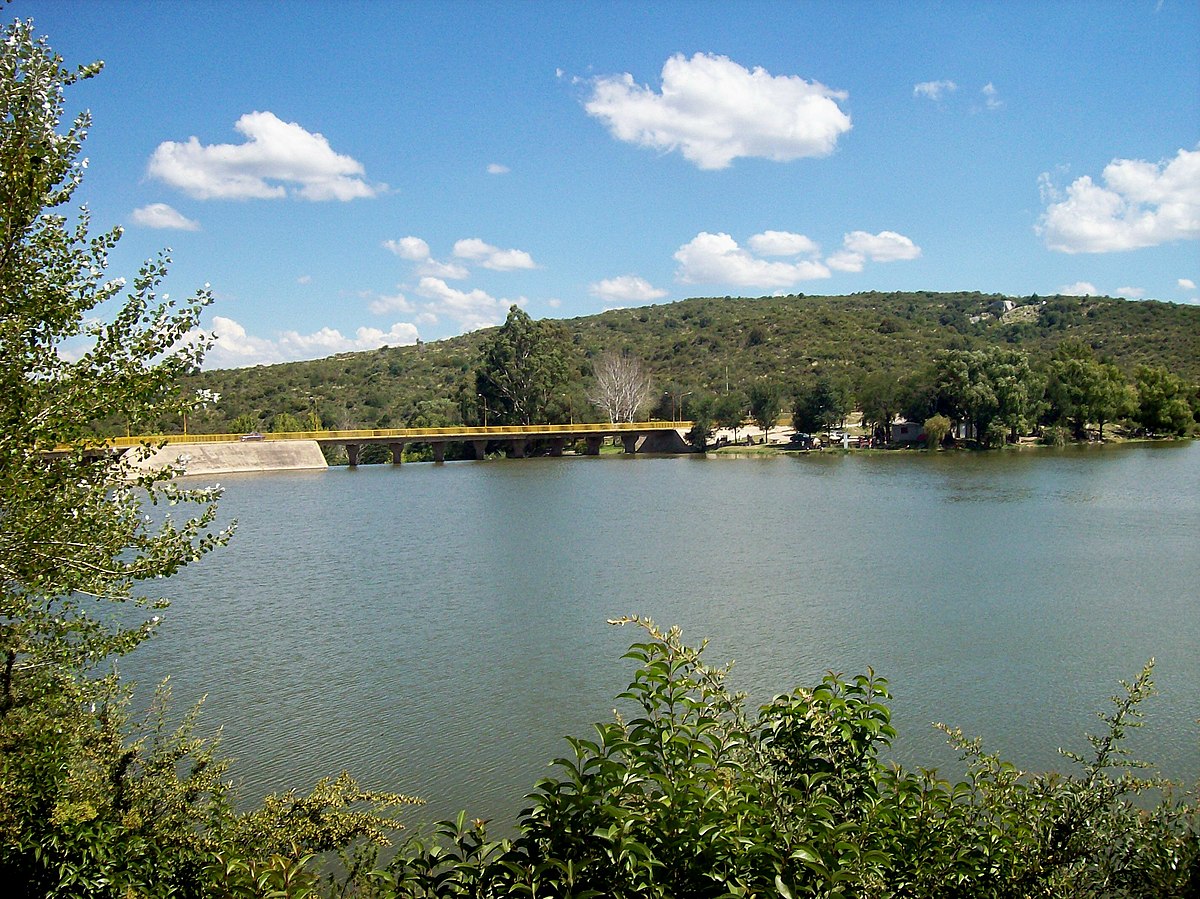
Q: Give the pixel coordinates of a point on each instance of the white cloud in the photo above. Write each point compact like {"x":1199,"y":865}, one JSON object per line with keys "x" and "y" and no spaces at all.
{"x":859,"y":247}
{"x":846,"y":261}
{"x":495,"y":168}
{"x":934,"y":89}
{"x":488,"y":256}
{"x":717,"y":259}
{"x":626,"y":287}
{"x":235,"y":348}
{"x":1186,"y":283}
{"x":554,"y":302}
{"x":1078,"y":289}
{"x":435,"y":269}
{"x":385,"y":305}
{"x":991,"y":96}
{"x":1133,"y":293}
{"x":782,"y":243}
{"x":279,"y":158}
{"x":160,"y":215}
{"x":412,"y":248}
{"x":713,"y":111}
{"x":886,"y":246}
{"x":304,"y":279}
{"x":1142,"y":204}
{"x":472,"y":309}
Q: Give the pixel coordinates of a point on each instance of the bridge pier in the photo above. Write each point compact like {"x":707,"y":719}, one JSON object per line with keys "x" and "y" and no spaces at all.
{"x":480,"y":447}
{"x":397,"y":452}
{"x":556,"y":446}
{"x":352,"y":454}
{"x":439,"y":453}
{"x":630,"y":442}
{"x":517,"y":448}
{"x":592,"y":443}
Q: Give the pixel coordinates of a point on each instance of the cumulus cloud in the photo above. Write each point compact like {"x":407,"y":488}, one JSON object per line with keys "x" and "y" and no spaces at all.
{"x":934,"y":89}
{"x":713,"y":111}
{"x":160,"y":215}
{"x":411,"y":248}
{"x":496,"y":168}
{"x":717,"y":259}
{"x":782,"y":243}
{"x":386,"y":305}
{"x":1078,"y":289}
{"x":859,"y":247}
{"x":235,"y":348}
{"x":475,"y":250}
{"x":991,"y":96}
{"x":472,"y":309}
{"x":277,"y":159}
{"x":435,"y":269}
{"x":414,"y":249}
{"x":626,"y":287}
{"x":886,"y":246}
{"x":1139,"y":204}
{"x":1133,"y":293}
{"x":1186,"y":283}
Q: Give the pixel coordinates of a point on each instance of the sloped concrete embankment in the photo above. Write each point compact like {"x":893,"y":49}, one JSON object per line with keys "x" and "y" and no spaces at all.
{"x":664,"y":442}
{"x":227,"y":458}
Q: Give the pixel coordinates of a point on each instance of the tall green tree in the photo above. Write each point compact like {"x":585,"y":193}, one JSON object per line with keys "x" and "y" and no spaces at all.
{"x":881,"y":397}
{"x":524,"y":365}
{"x":729,"y":411}
{"x":765,"y":398}
{"x":93,"y":804}
{"x":820,"y":404}
{"x":1162,"y":402}
{"x":74,"y":529}
{"x":992,"y":389}
{"x":1081,"y":390}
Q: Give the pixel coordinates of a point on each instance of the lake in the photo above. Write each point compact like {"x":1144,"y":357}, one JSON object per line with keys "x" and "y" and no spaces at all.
{"x":438,"y":630}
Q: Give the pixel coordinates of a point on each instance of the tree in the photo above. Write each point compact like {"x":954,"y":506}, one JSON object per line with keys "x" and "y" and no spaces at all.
{"x":993,"y":389}
{"x":1079,"y":389}
{"x":880,"y":398}
{"x":1162,"y":402}
{"x":936,"y":428}
{"x":819,"y":405}
{"x":729,"y":411}
{"x":523,"y":366}
{"x":765,"y":398}
{"x":75,"y":528}
{"x":92,"y":804}
{"x":286,"y":423}
{"x":622,"y":386}
{"x":700,"y":411}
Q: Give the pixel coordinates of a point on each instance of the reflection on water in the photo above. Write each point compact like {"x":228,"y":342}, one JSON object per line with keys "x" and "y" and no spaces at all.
{"x":437,"y":630}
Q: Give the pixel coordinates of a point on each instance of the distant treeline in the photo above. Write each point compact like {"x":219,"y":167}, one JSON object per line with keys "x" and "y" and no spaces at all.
{"x":706,"y":349}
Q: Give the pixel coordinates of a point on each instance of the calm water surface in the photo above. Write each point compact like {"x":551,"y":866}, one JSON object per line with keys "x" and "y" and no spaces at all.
{"x":438,"y":630}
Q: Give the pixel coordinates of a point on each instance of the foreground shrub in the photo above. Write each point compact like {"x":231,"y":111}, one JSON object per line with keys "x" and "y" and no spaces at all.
{"x":692,"y":797}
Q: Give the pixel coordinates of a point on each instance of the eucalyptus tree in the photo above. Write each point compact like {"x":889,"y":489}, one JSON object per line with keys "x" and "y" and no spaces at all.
{"x":523,"y":366}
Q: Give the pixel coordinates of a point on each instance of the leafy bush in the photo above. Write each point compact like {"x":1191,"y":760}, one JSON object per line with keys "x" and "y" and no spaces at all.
{"x":691,"y":797}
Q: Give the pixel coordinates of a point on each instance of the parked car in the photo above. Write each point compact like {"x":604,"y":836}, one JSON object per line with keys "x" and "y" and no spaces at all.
{"x":253,"y":435}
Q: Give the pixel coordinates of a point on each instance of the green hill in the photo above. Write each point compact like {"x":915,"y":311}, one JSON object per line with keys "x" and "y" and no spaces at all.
{"x":709,"y":344}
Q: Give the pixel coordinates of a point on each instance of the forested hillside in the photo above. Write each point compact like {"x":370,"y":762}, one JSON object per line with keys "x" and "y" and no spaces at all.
{"x":708,"y":345}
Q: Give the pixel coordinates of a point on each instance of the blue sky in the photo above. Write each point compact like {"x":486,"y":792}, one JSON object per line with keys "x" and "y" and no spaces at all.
{"x":349,"y":175}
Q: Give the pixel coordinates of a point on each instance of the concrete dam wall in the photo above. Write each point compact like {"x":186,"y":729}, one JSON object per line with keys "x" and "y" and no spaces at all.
{"x":224,"y":458}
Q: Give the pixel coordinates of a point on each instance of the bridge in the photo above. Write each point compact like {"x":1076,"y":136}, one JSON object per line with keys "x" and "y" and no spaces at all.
{"x":516,"y":438}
